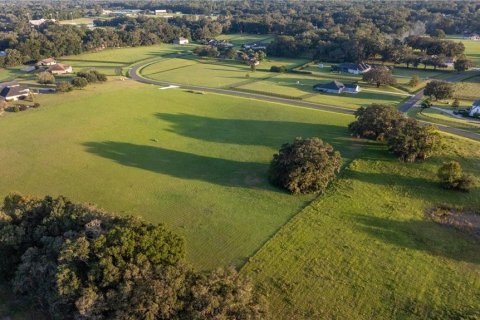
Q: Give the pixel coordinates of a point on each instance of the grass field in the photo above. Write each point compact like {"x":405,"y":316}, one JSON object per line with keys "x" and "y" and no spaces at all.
{"x":438,"y":117}
{"x":472,"y":48}
{"x":239,"y":39}
{"x":366,"y":251}
{"x":468,"y":89}
{"x":113,"y":61}
{"x":211,"y":72}
{"x":196,"y":162}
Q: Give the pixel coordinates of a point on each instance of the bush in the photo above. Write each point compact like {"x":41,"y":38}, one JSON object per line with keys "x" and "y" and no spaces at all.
{"x":79,"y":82}
{"x":92,"y":76}
{"x":3,"y":105}
{"x":280,"y":69}
{"x":45,"y":78}
{"x":64,"y":86}
{"x":412,"y":141}
{"x":80,"y":261}
{"x":451,"y":177}
{"x":16,"y":109}
{"x":305,"y":166}
{"x":36,"y":105}
{"x":375,"y":122}
{"x":22,"y":107}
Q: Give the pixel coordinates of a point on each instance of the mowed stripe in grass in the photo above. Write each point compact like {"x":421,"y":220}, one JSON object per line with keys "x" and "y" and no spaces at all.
{"x":196,"y":162}
{"x":366,"y":251}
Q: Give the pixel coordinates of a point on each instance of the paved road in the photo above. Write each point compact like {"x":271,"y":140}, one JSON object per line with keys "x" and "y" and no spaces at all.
{"x":404,"y":108}
{"x":134,"y":75}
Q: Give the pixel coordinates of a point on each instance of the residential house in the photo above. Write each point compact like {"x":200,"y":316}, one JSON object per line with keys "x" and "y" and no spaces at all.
{"x":180,"y":40}
{"x":13,"y":91}
{"x":354,"y":68}
{"x":46,"y":62}
{"x":39,"y":22}
{"x":475,"y":109}
{"x":337,"y":87}
{"x":60,"y":69}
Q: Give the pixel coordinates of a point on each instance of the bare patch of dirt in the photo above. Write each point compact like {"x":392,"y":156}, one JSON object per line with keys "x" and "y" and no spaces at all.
{"x":467,"y":220}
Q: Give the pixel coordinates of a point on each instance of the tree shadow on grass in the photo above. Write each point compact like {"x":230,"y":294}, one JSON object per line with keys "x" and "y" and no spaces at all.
{"x":422,"y":235}
{"x":184,"y":165}
{"x":251,"y":132}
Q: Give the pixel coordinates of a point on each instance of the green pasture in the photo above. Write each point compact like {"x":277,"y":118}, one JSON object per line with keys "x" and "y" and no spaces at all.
{"x":112,"y":61}
{"x":468,"y":89}
{"x":195,"y":162}
{"x":439,"y":117}
{"x":238,"y":39}
{"x":365,"y":250}
{"x":472,"y":48}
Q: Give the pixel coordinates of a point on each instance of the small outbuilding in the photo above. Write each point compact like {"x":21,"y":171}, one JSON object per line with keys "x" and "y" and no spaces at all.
{"x":46,"y":62}
{"x":180,"y":40}
{"x":353,"y":68}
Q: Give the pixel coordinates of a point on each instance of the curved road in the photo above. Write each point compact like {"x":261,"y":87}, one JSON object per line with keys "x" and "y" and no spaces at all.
{"x":134,"y":74}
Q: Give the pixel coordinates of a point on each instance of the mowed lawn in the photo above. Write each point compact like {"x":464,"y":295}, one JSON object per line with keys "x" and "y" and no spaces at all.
{"x":111,"y":61}
{"x":472,"y":48}
{"x":214,"y":73}
{"x":195,"y":162}
{"x":365,"y":250}
{"x":238,"y":39}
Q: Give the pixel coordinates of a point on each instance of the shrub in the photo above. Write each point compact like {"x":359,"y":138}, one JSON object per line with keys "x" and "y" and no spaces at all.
{"x":79,"y":82}
{"x":280,"y":69}
{"x":22,"y":107}
{"x":3,"y":105}
{"x":414,"y":81}
{"x":36,"y":105}
{"x":305,"y":166}
{"x":412,"y":141}
{"x":45,"y":78}
{"x":375,"y":122}
{"x":89,"y":76}
{"x":16,"y":109}
{"x":64,"y":86}
{"x":451,"y":177}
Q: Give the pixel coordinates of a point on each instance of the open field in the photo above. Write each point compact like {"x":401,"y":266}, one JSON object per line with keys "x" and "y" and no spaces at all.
{"x":468,"y":89}
{"x":78,"y":21}
{"x":472,"y":48}
{"x":196,"y":162}
{"x":366,"y":251}
{"x":112,"y":61}
{"x":211,"y":72}
{"x":438,"y":117}
{"x":239,"y":39}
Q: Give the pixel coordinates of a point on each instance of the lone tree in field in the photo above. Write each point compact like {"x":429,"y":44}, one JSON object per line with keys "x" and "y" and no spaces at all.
{"x":45,"y":78}
{"x":379,"y":77}
{"x":439,"y":90}
{"x":452,"y":177}
{"x":411,"y":141}
{"x":305,"y":166}
{"x":462,"y":64}
{"x":414,"y":81}
{"x":375,"y":121}
{"x":79,"y":261}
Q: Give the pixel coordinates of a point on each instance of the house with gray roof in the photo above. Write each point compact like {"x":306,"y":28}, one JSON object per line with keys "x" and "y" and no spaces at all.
{"x":353,"y":68}
{"x":337,"y":87}
{"x":475,"y":109}
{"x":14,"y":92}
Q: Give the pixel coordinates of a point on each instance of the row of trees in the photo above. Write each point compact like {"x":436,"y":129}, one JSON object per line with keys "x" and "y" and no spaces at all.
{"x":78,"y":262}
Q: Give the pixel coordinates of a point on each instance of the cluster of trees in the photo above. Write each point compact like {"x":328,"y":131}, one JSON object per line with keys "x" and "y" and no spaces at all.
{"x":405,"y":137}
{"x":305,"y":166}
{"x":379,"y":76}
{"x":78,"y":262}
{"x":81,"y":80}
{"x":439,"y":90}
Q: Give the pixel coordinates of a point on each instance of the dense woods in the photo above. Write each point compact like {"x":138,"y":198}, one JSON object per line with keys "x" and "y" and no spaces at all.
{"x":335,"y":31}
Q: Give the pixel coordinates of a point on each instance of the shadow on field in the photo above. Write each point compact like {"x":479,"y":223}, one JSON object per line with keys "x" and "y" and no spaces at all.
{"x":184,"y":165}
{"x":422,"y":235}
{"x":251,"y":132}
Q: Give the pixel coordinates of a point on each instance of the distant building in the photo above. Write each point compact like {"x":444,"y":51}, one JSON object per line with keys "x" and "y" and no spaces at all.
{"x":354,"y":68}
{"x":46,"y":62}
{"x":337,"y":87}
{"x":474,"y":37}
{"x":255,"y":46}
{"x":3,"y":54}
{"x":220,"y":43}
{"x":180,"y":40}
{"x":12,"y":91}
{"x":39,"y":22}
{"x":28,"y":69}
{"x":475,"y":109}
{"x":60,"y":69}
{"x":160,"y":12}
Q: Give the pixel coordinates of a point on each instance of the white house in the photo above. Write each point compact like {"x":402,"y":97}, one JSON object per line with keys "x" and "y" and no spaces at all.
{"x":47,"y":62}
{"x":354,"y":68}
{"x":60,"y":69}
{"x":39,"y":22}
{"x":13,"y":92}
{"x":475,"y":109}
{"x":160,"y":12}
{"x":337,"y":87}
{"x":180,"y":40}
